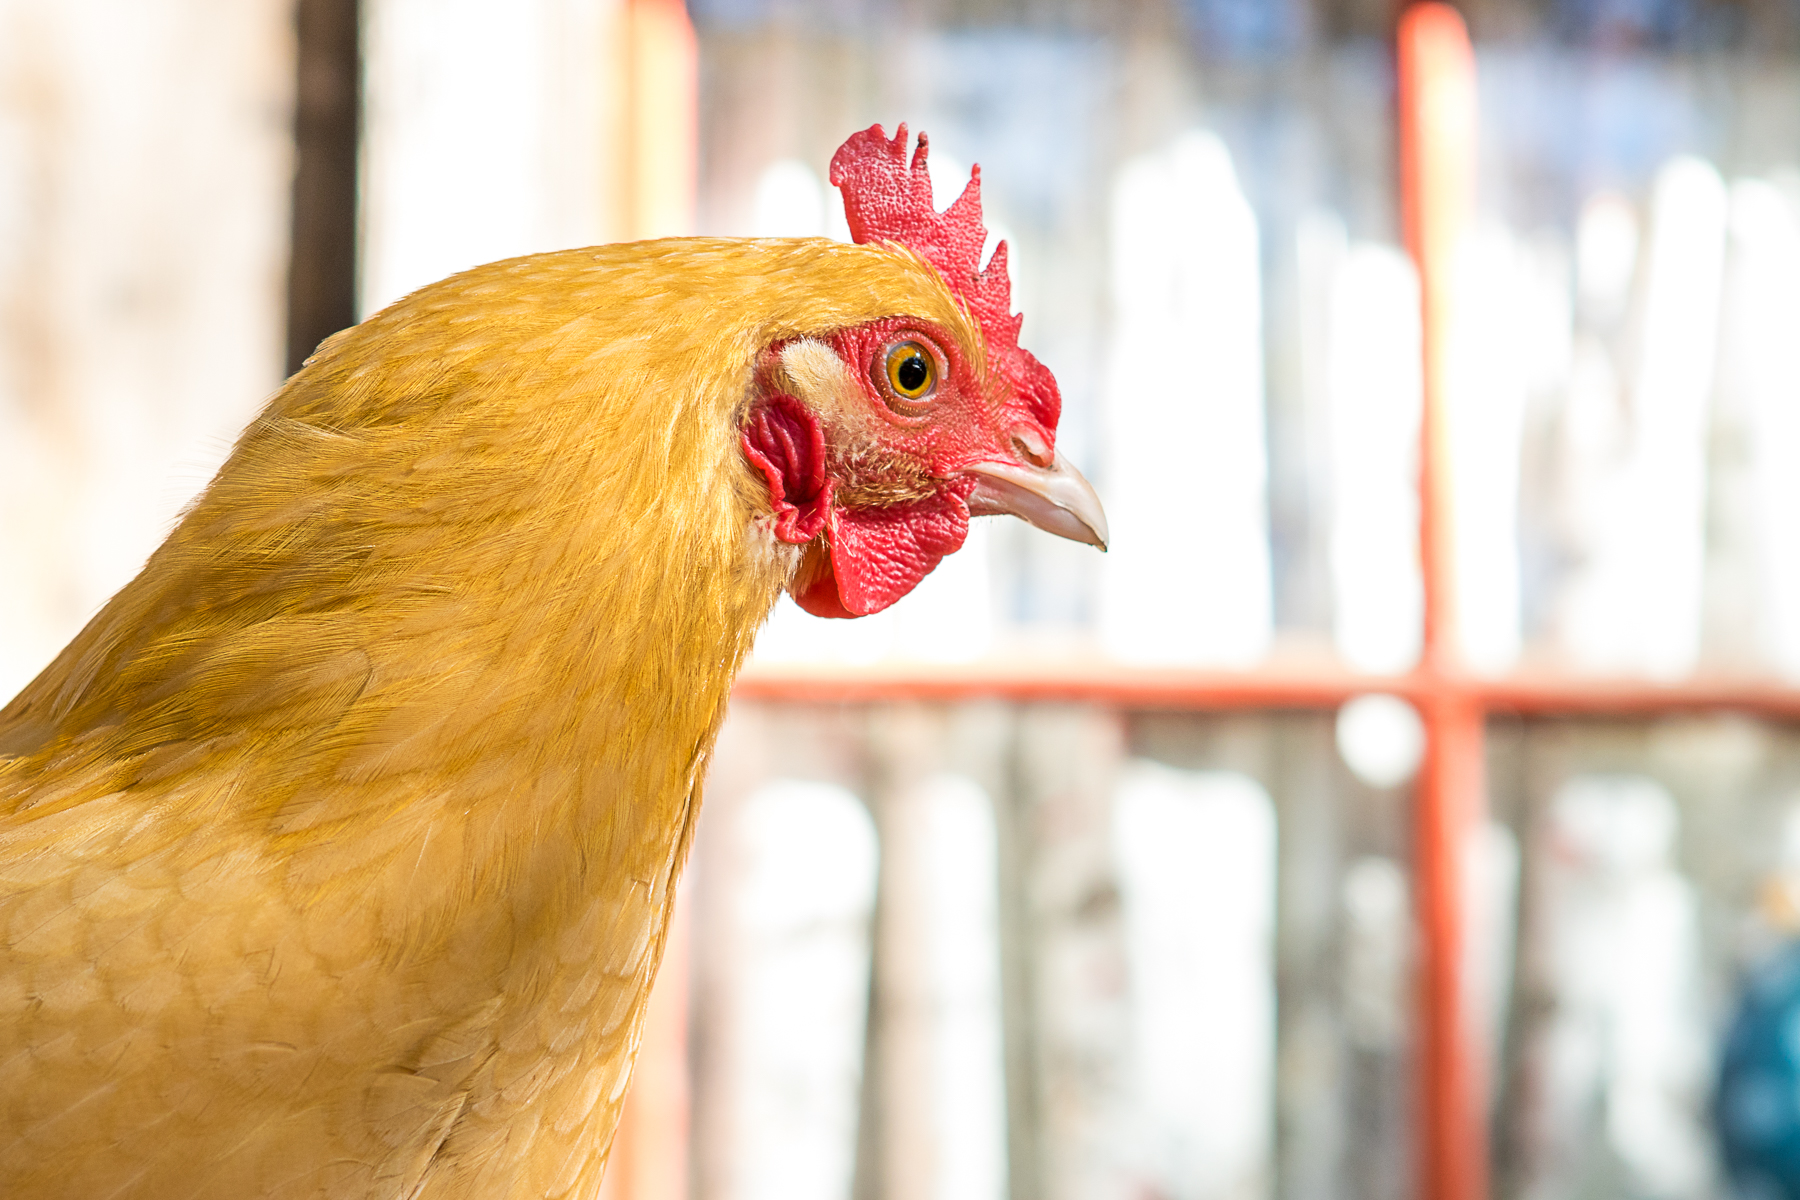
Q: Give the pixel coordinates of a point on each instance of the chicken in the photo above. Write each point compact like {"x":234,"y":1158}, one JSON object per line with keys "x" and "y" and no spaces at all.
{"x":337,"y":851}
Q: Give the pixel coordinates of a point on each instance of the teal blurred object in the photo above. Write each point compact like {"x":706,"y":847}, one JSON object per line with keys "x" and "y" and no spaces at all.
{"x":1757,"y":1108}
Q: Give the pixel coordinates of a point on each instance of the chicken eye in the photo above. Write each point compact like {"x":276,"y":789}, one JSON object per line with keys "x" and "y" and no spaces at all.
{"x":911,"y":371}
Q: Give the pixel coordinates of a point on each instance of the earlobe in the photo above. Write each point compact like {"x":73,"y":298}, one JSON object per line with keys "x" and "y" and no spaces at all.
{"x":783,"y":440}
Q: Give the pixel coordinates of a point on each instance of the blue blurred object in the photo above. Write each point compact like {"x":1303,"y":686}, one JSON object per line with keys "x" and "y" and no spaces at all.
{"x":1247,"y":28}
{"x":1757,"y":1109}
{"x":1622,"y":23}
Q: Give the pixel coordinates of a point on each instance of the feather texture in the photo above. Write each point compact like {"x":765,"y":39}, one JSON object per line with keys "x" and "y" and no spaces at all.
{"x":336,"y":852}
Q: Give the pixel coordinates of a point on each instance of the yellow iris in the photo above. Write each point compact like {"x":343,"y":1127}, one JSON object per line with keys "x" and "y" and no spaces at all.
{"x":911,"y":371}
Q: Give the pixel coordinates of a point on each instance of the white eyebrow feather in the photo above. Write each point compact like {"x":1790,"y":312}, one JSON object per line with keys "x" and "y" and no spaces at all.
{"x":821,"y":378}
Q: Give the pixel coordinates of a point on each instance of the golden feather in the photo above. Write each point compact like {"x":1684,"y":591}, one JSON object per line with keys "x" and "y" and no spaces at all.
{"x":336,"y":851}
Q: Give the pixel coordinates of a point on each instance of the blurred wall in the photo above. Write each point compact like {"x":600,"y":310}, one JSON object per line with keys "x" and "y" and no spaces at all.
{"x":145,"y":160}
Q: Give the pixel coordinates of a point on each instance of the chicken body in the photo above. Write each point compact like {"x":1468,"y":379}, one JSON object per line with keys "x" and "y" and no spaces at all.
{"x":336,"y":851}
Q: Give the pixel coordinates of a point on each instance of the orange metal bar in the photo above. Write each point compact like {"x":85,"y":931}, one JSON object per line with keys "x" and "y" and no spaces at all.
{"x":1314,"y":685}
{"x":1449,"y":1116}
{"x":1560,"y":696}
{"x":1436,"y":67}
{"x":1437,"y":183}
{"x":1284,"y":686}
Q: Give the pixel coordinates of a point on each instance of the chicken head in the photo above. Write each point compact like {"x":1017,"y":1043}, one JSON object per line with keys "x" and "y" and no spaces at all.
{"x":880,"y":441}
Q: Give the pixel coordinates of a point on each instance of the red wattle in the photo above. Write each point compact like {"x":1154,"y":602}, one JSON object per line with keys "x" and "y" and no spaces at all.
{"x":880,"y":554}
{"x":815,"y":586}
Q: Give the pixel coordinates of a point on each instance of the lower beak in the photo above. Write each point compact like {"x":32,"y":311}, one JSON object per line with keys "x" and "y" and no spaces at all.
{"x":1055,"y":498}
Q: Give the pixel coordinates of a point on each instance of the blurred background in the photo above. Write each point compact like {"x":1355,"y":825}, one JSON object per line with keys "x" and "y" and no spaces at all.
{"x":1144,"y":929}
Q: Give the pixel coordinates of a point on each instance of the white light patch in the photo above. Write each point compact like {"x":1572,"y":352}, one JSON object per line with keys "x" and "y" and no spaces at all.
{"x":1636,"y":603}
{"x":963,"y":892}
{"x":794,"y":635}
{"x":1764,"y":356}
{"x":802,"y":915}
{"x":471,"y":112}
{"x":1372,"y":387}
{"x":1381,"y":739}
{"x":949,"y":617}
{"x":1186,"y":579}
{"x":945,"y":1109}
{"x":1625,"y":1058}
{"x":790,"y":201}
{"x":1511,"y":329}
{"x":1606,"y":253}
{"x":1196,"y":859}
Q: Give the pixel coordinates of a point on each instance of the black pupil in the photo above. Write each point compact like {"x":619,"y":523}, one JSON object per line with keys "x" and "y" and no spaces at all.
{"x":913,"y":373}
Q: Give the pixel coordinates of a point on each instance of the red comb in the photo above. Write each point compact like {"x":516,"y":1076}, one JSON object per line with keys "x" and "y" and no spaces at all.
{"x":888,"y":199}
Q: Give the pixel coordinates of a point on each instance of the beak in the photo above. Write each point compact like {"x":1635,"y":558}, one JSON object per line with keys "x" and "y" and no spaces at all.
{"x":1055,"y":498}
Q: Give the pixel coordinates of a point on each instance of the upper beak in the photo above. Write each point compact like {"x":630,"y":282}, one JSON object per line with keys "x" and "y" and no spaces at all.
{"x":1055,"y":498}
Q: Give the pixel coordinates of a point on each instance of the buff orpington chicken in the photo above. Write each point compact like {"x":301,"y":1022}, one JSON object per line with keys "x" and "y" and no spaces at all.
{"x":337,"y":851}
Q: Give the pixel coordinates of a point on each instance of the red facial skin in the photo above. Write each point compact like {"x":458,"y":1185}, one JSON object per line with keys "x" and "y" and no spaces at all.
{"x":880,"y":536}
{"x":867,"y":549}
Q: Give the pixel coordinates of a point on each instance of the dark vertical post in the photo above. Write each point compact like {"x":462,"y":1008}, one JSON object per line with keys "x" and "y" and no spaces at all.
{"x":321,"y":295}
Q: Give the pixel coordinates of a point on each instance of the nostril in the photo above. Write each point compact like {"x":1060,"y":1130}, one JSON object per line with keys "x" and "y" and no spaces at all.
{"x":1032,"y":447}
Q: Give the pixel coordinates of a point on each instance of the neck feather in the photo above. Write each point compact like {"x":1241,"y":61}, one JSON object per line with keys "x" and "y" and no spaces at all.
{"x":491,"y":560}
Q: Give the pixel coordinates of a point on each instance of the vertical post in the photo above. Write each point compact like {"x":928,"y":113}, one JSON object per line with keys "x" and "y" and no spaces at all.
{"x":658,"y":122}
{"x":322,"y":263}
{"x":1450,"y":1121}
{"x":656,"y":141}
{"x":1437,"y":156}
{"x":1437,"y":186}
